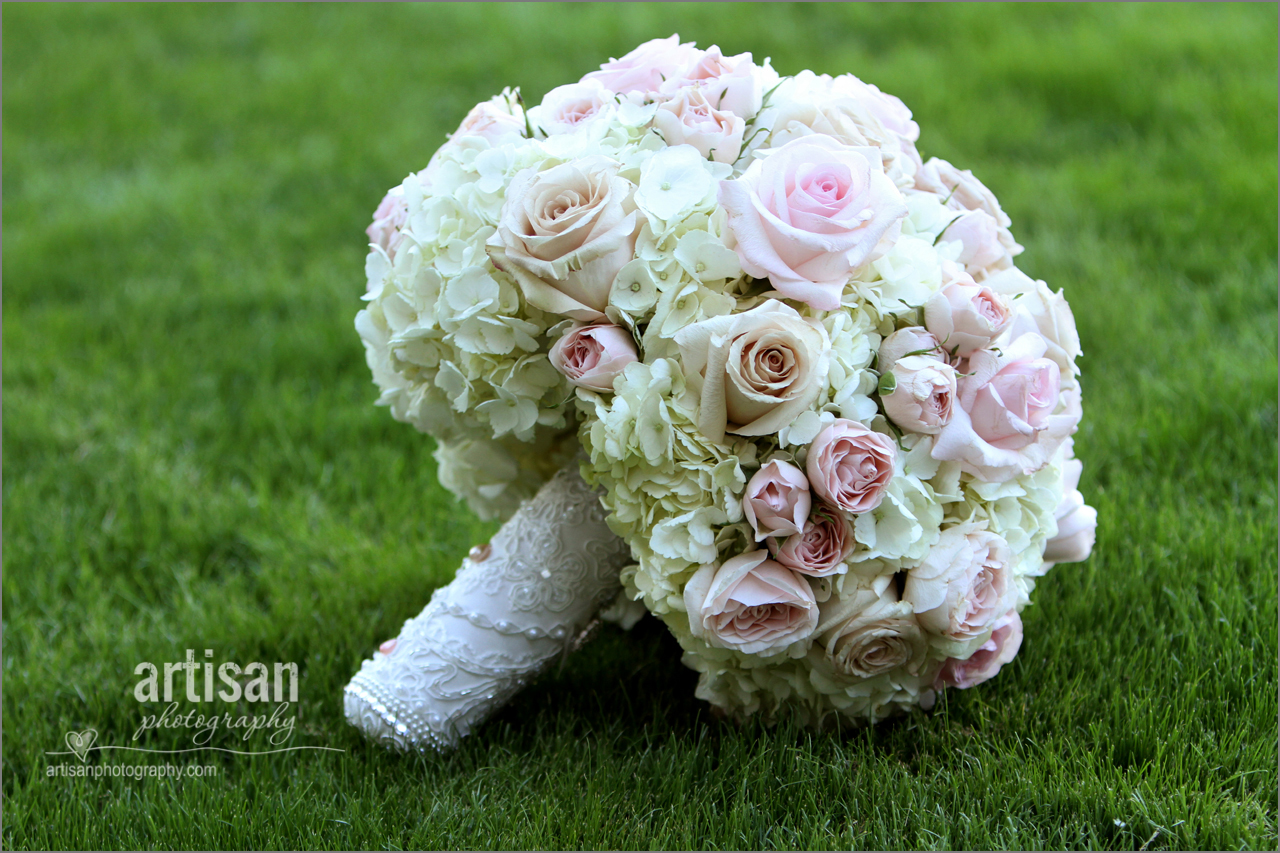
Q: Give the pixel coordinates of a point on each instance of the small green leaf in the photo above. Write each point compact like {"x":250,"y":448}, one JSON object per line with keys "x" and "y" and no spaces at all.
{"x":888,"y":383}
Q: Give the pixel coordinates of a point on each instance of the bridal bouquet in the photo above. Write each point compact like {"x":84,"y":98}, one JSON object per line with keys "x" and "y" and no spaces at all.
{"x":827,"y":414}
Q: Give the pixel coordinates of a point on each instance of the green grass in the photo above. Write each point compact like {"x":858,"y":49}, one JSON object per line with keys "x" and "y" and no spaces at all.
{"x":192,"y":458}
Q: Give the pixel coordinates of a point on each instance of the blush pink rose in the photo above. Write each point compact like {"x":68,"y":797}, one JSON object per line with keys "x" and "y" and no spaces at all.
{"x":591,"y":356}
{"x":566,"y":108}
{"x":388,"y":220}
{"x":809,"y":214}
{"x":1077,"y":521}
{"x":980,"y":244}
{"x":688,"y":118}
{"x":850,"y":466}
{"x":1000,"y":648}
{"x":961,"y":191}
{"x":498,"y":120}
{"x":964,"y":584}
{"x":1013,"y":413}
{"x":821,"y":549}
{"x":731,"y":83}
{"x":923,"y":396}
{"x":645,"y":68}
{"x":750,"y":604}
{"x":1014,"y":406}
{"x":966,"y":316}
{"x":777,"y":500}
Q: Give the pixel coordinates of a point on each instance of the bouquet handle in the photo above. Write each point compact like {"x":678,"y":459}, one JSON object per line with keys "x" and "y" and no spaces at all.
{"x":515,"y":606}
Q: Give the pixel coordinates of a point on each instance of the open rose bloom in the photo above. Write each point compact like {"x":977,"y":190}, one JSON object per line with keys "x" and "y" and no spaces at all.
{"x":825,"y":411}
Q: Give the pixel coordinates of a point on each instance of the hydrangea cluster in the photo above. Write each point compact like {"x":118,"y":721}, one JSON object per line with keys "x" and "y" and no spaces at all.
{"x":829,"y":415}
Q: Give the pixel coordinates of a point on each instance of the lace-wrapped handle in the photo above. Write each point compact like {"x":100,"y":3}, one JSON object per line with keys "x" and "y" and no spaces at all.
{"x":513,"y":608}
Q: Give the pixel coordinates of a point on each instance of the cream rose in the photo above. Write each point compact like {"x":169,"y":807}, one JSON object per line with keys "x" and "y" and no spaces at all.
{"x":865,"y":634}
{"x":966,"y":316}
{"x":1012,"y":416}
{"x":850,"y":466}
{"x":750,"y":604}
{"x":756,"y":371}
{"x":777,"y":500}
{"x":821,"y":549}
{"x":983,"y":664}
{"x":565,"y":233}
{"x":923,"y":394}
{"x":964,"y":584}
{"x":591,"y":356}
{"x":809,"y":214}
{"x":688,"y":118}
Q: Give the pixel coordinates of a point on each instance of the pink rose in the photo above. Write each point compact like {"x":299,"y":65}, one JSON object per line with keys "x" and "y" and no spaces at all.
{"x":966,"y":316}
{"x":963,"y":192}
{"x":498,"y":120}
{"x":960,"y":188}
{"x":592,"y":355}
{"x":821,"y":549}
{"x":913,"y":340}
{"x":564,"y":235}
{"x":983,"y":664}
{"x":777,"y":500}
{"x":688,"y":118}
{"x":980,"y":244}
{"x":566,"y":108}
{"x":850,"y":466}
{"x":964,"y":584}
{"x":888,"y":109}
{"x":388,"y":219}
{"x":731,"y":83}
{"x":645,"y":68}
{"x":1077,"y":522}
{"x":809,"y":214}
{"x":1012,"y":416}
{"x":894,"y":116}
{"x":923,"y":395}
{"x":750,"y":604}
{"x":1008,"y":411}
{"x":1038,"y":309}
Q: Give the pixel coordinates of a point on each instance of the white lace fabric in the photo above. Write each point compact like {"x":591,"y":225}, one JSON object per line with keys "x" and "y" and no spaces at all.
{"x":513,"y":608}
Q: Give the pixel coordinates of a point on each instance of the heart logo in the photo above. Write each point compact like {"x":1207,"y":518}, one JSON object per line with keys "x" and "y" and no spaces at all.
{"x":79,"y":742}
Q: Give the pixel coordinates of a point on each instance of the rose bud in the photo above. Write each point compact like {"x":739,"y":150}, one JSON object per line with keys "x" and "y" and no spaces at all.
{"x":820,"y":550}
{"x":777,"y":500}
{"x":966,"y":316}
{"x":591,"y":356}
{"x":913,"y":340}
{"x":923,"y":394}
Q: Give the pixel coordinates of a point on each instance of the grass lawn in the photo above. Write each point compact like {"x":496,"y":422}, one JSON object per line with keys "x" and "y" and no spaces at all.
{"x":192,"y":459}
